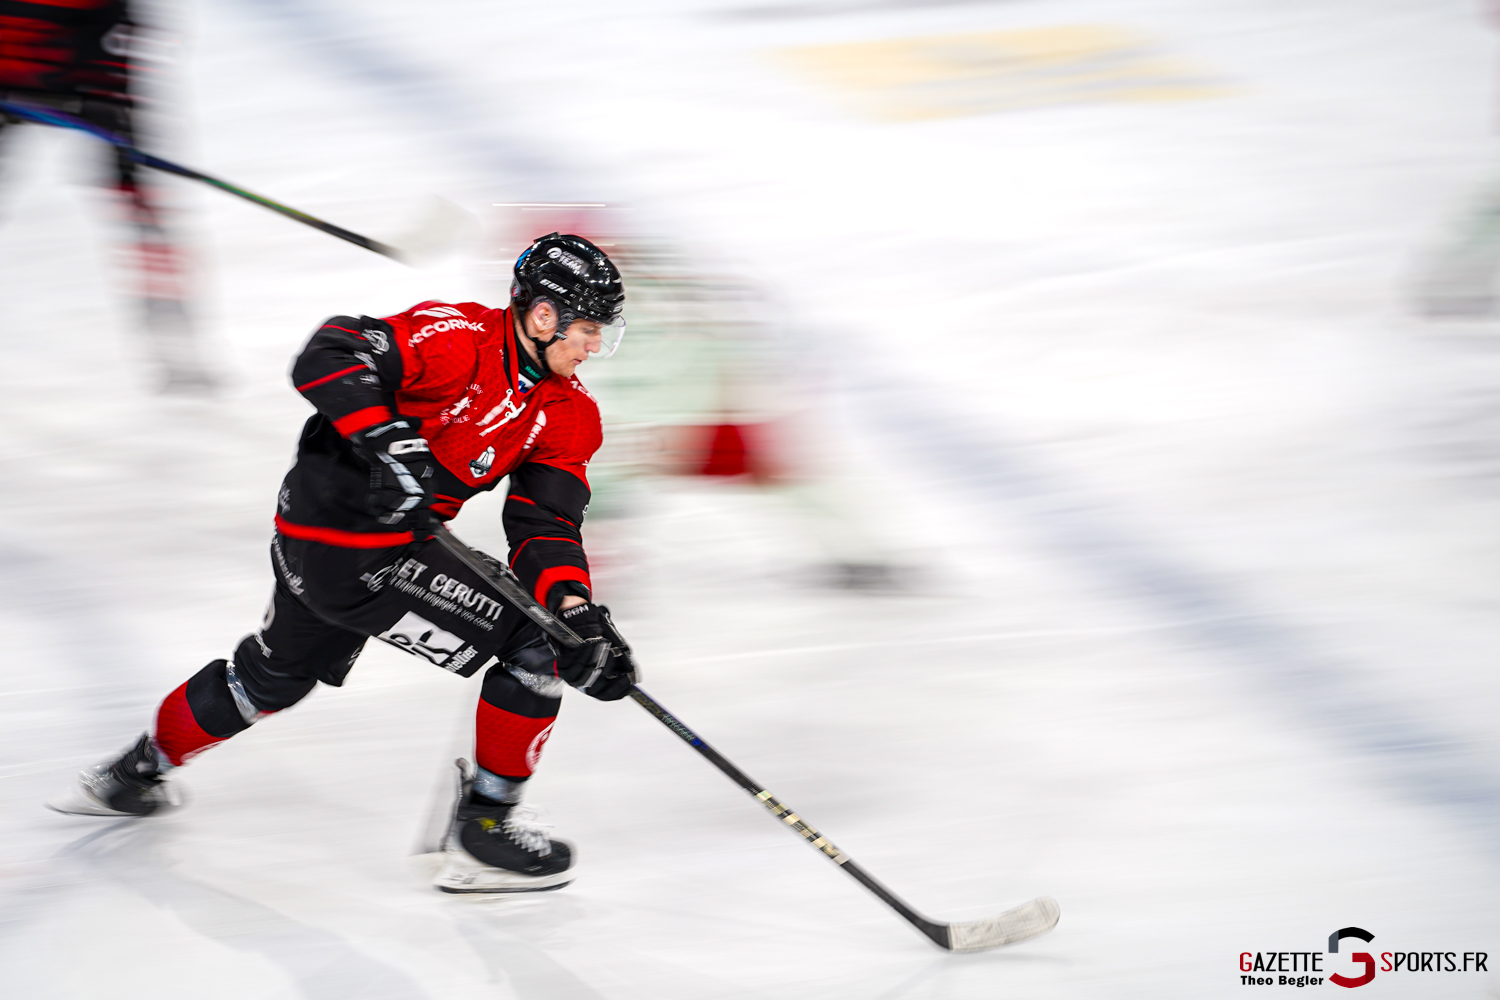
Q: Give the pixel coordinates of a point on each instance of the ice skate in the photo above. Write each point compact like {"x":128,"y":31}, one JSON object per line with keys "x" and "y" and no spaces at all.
{"x":495,"y":848}
{"x":129,"y":785}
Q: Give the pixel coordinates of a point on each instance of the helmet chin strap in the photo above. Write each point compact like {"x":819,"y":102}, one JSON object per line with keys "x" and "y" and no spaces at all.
{"x":541,"y":346}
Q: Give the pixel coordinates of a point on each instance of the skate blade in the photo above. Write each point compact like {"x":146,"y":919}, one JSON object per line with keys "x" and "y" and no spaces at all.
{"x":81,"y":807}
{"x":479,"y":894}
{"x":77,"y":802}
{"x":464,"y":878}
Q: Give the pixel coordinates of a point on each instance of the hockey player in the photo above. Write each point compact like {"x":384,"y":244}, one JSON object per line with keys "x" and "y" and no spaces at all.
{"x":77,"y":56}
{"x":417,"y":413}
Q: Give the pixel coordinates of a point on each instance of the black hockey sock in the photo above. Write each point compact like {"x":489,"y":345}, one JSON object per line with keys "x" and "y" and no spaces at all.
{"x":197,"y":715}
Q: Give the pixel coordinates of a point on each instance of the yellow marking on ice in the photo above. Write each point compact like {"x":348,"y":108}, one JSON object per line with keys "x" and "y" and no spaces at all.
{"x":951,"y":76}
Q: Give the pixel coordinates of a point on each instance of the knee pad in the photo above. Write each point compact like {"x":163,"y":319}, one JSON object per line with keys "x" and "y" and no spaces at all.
{"x":213,"y":704}
{"x":264,"y":689}
{"x":534,"y":665}
{"x":196,"y":716}
{"x":515,"y":690}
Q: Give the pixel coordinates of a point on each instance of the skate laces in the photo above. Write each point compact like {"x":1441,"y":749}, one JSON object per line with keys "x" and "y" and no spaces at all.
{"x":528,"y":827}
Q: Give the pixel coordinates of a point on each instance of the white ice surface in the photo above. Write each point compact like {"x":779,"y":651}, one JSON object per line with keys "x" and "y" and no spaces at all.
{"x":1205,"y":642}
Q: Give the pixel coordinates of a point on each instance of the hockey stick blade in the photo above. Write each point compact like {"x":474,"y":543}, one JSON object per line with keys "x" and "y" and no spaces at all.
{"x":440,"y":229}
{"x":1028,"y":920}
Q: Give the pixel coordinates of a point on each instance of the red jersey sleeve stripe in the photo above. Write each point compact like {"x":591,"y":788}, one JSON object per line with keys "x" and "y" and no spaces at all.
{"x":327,"y":378}
{"x":557,"y":574}
{"x":517,"y":554}
{"x":352,"y":423}
{"x":520,"y":499}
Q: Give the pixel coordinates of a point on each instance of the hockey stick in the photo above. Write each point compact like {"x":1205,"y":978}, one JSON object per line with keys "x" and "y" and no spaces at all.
{"x":48,"y":116}
{"x":1025,"y":921}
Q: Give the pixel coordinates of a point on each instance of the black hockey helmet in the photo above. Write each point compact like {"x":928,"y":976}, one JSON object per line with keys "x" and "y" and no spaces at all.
{"x":578,"y":279}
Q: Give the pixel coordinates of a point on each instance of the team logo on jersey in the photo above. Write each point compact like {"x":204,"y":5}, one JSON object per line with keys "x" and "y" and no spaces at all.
{"x":480,"y":467}
{"x":420,"y":637}
{"x":440,"y":312}
{"x":448,"y":415}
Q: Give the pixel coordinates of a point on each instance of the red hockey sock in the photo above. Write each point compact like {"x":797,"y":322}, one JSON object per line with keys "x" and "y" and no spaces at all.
{"x":513,"y":722}
{"x":197,"y":715}
{"x":508,"y":744}
{"x":177,"y":732}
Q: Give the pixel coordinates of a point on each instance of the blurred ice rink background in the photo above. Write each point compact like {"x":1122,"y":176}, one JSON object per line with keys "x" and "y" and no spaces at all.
{"x":1080,"y":341}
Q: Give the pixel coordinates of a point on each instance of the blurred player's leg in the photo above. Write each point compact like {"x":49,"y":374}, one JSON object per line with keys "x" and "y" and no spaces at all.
{"x":272,"y":669}
{"x":156,"y":265}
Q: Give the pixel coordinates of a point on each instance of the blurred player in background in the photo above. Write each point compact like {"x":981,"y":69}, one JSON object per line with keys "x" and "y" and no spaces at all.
{"x":1457,"y":279}
{"x":83,"y":57}
{"x":417,"y":413}
{"x":706,"y":394}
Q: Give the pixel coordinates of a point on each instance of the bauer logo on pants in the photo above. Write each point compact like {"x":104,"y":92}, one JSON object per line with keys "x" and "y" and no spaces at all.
{"x":420,"y":637}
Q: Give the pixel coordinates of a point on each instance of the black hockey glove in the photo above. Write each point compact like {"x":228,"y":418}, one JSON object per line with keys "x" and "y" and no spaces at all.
{"x":401,"y":470}
{"x":608,"y":680}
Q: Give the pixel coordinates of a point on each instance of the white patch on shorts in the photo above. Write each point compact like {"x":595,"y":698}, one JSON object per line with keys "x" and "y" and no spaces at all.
{"x":420,"y":637}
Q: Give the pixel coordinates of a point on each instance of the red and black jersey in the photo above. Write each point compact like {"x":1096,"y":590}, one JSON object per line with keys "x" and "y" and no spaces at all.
{"x":455,"y":367}
{"x":73,"y":47}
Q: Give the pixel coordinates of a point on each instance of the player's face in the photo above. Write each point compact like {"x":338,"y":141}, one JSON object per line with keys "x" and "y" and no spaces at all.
{"x":584,"y":337}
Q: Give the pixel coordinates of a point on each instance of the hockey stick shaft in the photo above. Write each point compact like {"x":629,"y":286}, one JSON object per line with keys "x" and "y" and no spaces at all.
{"x":512,"y":590}
{"x":47,"y":116}
{"x":938,"y":932}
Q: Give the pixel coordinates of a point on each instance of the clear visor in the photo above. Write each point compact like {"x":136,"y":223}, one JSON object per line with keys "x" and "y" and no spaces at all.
{"x":606,"y":335}
{"x":610,"y":336}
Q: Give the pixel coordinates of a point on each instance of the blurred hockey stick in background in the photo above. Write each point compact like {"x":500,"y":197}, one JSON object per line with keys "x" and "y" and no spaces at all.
{"x":1025,"y":921}
{"x":441,"y":228}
